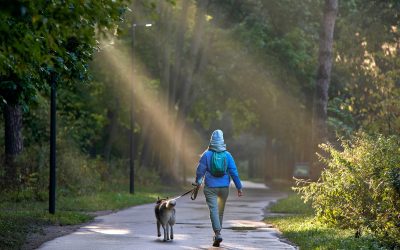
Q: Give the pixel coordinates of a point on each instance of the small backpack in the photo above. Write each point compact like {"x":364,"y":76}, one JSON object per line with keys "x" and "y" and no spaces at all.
{"x":219,"y":164}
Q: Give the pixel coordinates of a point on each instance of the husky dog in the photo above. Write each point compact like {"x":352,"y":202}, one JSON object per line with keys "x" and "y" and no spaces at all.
{"x":165,"y":214}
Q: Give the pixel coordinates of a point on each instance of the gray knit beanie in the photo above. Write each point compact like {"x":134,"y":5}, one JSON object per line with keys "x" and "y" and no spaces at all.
{"x":217,"y":141}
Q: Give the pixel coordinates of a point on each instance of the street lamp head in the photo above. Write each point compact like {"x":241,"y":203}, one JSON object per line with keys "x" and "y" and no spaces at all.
{"x":142,"y":24}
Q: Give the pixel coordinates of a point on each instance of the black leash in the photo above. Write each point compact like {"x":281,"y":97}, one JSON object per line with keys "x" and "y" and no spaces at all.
{"x":194,"y":192}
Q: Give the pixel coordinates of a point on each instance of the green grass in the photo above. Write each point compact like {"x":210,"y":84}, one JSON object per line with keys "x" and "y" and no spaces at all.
{"x":21,"y":216}
{"x":16,"y":224}
{"x":301,"y":228}
{"x":14,"y":228}
{"x":292,"y":205}
{"x":106,"y":201}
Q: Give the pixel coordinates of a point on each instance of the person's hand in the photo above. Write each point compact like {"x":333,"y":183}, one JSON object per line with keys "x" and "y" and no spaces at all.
{"x":240,"y":192}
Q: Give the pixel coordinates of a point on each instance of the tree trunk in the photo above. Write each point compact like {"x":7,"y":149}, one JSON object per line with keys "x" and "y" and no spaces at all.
{"x":147,"y":141}
{"x":13,"y":140}
{"x":319,"y":125}
{"x":111,"y":129}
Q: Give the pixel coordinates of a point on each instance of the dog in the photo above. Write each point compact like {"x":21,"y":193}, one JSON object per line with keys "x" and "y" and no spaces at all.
{"x":165,"y":214}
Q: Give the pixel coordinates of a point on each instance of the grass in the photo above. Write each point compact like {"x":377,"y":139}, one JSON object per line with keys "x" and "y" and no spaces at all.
{"x":15,"y":225}
{"x":106,"y":201}
{"x":301,"y":228}
{"x":19,"y":217}
{"x":292,"y":205}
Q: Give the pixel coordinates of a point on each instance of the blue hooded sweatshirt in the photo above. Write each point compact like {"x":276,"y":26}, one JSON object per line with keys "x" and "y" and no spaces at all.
{"x":203,"y":168}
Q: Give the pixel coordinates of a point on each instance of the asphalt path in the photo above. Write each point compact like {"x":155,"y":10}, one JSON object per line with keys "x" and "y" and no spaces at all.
{"x":135,"y":227}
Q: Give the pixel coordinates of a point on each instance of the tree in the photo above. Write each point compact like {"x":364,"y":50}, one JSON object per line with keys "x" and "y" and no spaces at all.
{"x":39,"y":37}
{"x":265,"y":61}
{"x":319,"y":122}
{"x":367,"y":73}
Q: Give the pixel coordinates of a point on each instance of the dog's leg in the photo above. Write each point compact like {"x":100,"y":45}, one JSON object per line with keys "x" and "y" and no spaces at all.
{"x":172,"y":223}
{"x":167,"y":226}
{"x":158,"y":229}
{"x":165,"y":232}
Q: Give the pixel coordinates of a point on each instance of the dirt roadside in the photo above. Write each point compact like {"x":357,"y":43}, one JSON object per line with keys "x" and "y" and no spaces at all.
{"x":44,"y":233}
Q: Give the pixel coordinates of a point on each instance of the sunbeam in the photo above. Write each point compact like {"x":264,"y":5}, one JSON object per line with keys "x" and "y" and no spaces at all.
{"x":157,"y":108}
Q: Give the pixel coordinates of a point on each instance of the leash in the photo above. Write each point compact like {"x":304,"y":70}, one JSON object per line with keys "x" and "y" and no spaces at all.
{"x":193,"y":192}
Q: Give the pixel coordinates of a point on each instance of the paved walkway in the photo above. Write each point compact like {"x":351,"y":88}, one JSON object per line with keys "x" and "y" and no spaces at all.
{"x":135,"y":228}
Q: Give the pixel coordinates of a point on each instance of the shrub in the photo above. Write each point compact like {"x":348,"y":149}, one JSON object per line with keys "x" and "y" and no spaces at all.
{"x":360,"y":187}
{"x":77,"y":173}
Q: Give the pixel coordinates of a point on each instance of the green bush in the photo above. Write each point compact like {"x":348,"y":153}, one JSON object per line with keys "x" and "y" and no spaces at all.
{"x":77,"y":173}
{"x":360,"y":188}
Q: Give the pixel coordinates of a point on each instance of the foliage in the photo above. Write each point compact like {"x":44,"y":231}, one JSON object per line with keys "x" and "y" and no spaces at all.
{"x":40,"y":36}
{"x":275,"y":45}
{"x":259,"y":59}
{"x":44,"y":41}
{"x":77,"y":173}
{"x":360,"y":188}
{"x":366,"y":73}
{"x":301,"y":228}
{"x":340,"y":118}
{"x":82,"y":119}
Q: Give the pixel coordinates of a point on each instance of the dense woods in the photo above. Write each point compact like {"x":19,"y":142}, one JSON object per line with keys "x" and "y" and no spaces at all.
{"x":279,"y":77}
{"x":253,"y":68}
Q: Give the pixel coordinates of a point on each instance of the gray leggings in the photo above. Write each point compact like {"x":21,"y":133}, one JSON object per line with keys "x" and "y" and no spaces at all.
{"x":216,"y":199}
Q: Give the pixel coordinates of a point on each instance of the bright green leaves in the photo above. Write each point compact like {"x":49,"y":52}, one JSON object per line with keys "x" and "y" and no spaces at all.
{"x":42,"y":36}
{"x":360,"y":187}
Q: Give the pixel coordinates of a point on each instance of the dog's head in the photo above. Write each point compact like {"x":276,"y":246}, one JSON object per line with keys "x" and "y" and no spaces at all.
{"x":171,"y":203}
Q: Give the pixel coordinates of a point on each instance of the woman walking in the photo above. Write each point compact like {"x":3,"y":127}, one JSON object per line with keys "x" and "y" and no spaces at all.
{"x":218,"y":167}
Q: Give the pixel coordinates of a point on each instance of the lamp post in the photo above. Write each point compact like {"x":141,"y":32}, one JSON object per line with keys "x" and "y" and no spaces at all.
{"x":132,"y":115}
{"x":52,"y":185}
